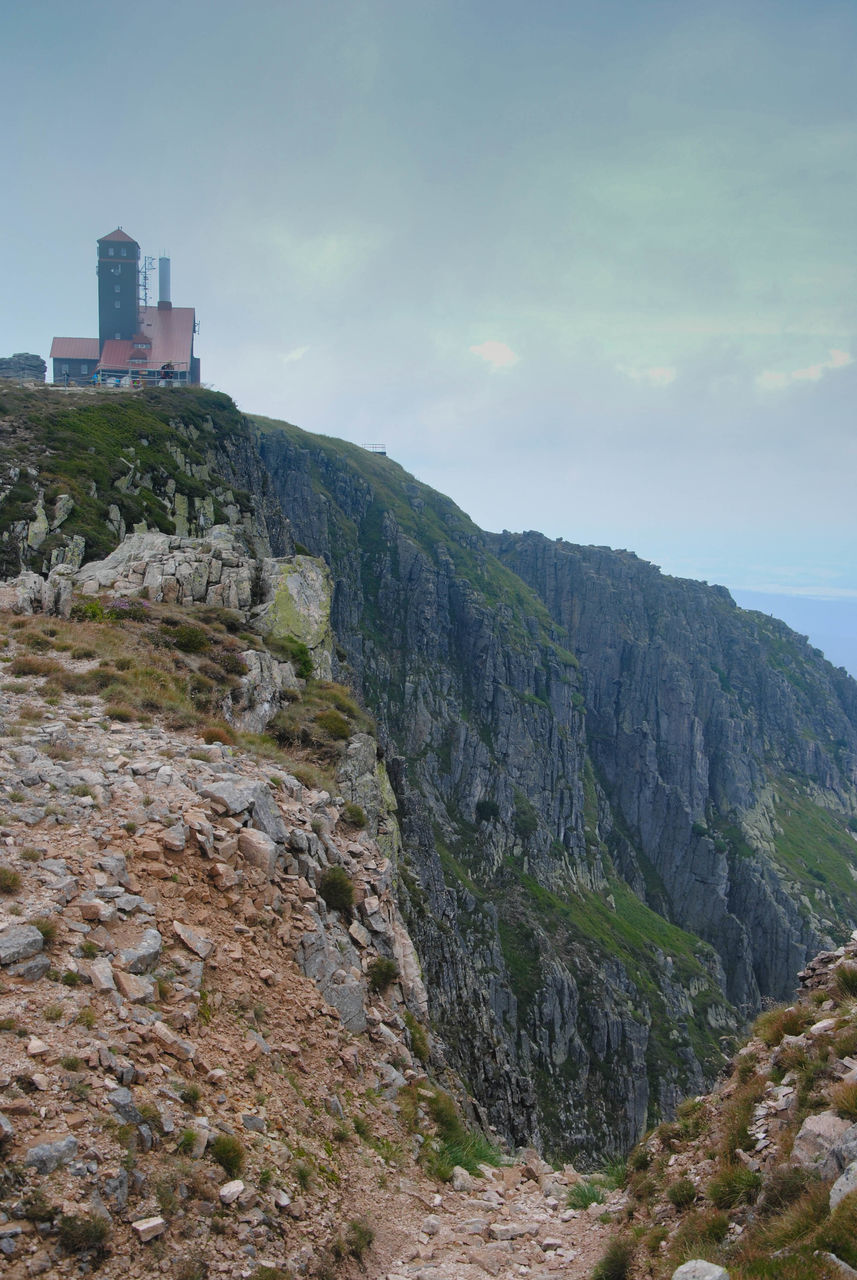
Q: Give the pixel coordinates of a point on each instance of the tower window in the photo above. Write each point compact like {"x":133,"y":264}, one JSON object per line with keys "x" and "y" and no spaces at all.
{"x":117,"y":336}
{"x":117,"y":288}
{"x":110,"y":251}
{"x":124,"y":253}
{"x":117,"y":303}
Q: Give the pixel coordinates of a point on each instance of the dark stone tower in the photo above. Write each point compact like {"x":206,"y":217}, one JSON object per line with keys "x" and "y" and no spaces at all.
{"x":118,"y":286}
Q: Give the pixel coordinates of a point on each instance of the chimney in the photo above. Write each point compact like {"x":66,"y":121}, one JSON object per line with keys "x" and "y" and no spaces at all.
{"x":164,"y":303}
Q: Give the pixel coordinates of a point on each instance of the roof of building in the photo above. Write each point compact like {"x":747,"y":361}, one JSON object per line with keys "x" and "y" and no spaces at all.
{"x":74,"y":349}
{"x":170,"y":333}
{"x":119,"y":234}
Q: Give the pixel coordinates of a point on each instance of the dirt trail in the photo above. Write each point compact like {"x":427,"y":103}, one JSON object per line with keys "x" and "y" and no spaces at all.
{"x":512,"y":1223}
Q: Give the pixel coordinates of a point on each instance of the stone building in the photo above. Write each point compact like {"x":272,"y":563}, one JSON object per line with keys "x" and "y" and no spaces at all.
{"x":138,"y":343}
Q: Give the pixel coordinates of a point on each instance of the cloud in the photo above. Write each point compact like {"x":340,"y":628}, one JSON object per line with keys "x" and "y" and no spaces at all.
{"x":775,"y":380}
{"x":659,"y":375}
{"x":497,"y":354}
{"x":297,"y":353}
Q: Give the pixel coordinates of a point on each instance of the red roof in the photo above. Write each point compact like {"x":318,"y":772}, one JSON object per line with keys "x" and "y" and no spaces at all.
{"x":118,"y":234}
{"x":171,"y":336}
{"x":74,"y":349}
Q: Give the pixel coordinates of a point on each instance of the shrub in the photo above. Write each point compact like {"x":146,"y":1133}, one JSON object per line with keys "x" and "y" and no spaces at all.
{"x":186,"y":1142}
{"x":229,"y":1153}
{"x":87,"y":1017}
{"x":361,"y":1128}
{"x":47,"y":927}
{"x":681,"y":1193}
{"x":10,"y":880}
{"x":846,"y":980}
{"x":526,"y":820}
{"x":358,"y":1238}
{"x":337,"y":889}
{"x":334,"y":724}
{"x":190,"y":1094}
{"x":785,"y":1184}
{"x":354,"y":815}
{"x":382,"y":972}
{"x":303,"y":1174}
{"x":640,"y":1158}
{"x":79,"y":1233}
{"x":615,"y":1262}
{"x":773,"y":1024}
{"x":733,"y":1187}
{"x":70,"y":1062}
{"x":218,"y":733}
{"x":843,"y":1096}
{"x":419,"y":1039}
{"x":189,"y":639}
{"x":583,"y":1194}
{"x":487,"y":810}
{"x":289,"y":649}
{"x":36,"y":1207}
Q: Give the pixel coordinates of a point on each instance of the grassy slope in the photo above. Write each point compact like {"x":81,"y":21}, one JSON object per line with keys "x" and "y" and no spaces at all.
{"x":82,"y":444}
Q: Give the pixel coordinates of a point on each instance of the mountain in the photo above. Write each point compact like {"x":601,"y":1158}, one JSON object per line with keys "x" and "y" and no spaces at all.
{"x":627,"y":805}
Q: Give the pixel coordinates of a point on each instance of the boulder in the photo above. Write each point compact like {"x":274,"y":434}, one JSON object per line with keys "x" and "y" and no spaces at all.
{"x":700,"y":1270}
{"x":18,"y":942}
{"x":48,"y":1156}
{"x":844,"y":1185}
{"x":145,"y":955}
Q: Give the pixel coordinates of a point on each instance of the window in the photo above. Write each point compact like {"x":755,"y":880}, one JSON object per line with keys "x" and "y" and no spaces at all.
{"x":124,"y":252}
{"x":117,"y":288}
{"x":63,"y":368}
{"x":110,"y":251}
{"x":117,"y":336}
{"x":84,"y":368}
{"x":117,"y":303}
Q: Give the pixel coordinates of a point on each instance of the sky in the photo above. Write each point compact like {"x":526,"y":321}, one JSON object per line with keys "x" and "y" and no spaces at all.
{"x":588,"y":268}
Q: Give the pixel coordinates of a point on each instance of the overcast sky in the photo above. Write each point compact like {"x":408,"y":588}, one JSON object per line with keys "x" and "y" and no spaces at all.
{"x":586,"y":267}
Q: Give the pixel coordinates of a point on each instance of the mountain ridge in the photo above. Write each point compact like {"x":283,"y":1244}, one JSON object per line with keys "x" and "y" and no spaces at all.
{"x":560,"y":839}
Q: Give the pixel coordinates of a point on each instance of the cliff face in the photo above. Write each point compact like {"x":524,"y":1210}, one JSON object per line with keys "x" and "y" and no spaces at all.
{"x":625,"y":803}
{"x":696,"y":711}
{"x":570,"y":1008}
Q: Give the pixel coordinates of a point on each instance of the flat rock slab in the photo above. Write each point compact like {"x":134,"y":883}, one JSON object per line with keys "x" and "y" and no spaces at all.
{"x":194,"y":941}
{"x":700,"y":1270}
{"x":145,"y":955}
{"x":817,"y":1136}
{"x":19,"y":942}
{"x":148,"y":1228}
{"x":48,"y":1156}
{"x":230,"y":1191}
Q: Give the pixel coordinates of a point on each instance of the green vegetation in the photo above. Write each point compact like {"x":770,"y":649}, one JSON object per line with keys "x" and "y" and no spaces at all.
{"x":382,"y":973}
{"x":583,"y":1194}
{"x":81,"y":1234}
{"x":229,"y":1153}
{"x":10,"y":880}
{"x":616,"y":1261}
{"x":817,"y":851}
{"x":454,"y":1143}
{"x":337,"y":889}
{"x":118,"y":449}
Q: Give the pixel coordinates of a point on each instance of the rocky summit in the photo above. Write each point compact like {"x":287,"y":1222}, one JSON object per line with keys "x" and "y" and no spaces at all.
{"x":366,"y":877}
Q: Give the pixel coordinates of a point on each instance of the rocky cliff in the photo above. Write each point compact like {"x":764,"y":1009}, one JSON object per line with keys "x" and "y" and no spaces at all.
{"x":625,"y":803}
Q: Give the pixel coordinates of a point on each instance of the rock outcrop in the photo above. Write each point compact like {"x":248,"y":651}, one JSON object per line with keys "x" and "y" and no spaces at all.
{"x":23,"y":366}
